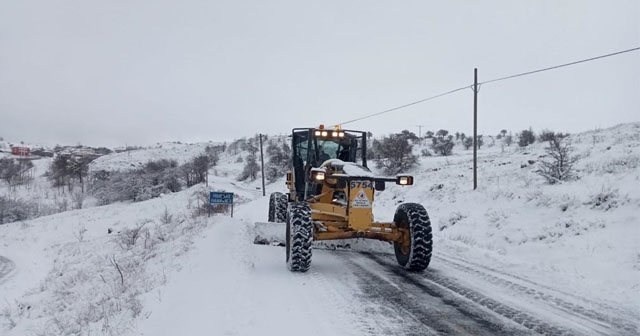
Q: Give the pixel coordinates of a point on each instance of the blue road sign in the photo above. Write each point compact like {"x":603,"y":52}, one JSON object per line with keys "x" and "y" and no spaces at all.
{"x":220,"y":197}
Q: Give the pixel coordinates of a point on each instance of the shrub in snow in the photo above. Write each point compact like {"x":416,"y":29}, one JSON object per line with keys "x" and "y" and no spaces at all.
{"x":12,"y":210}
{"x":496,"y":218}
{"x":526,"y":138}
{"x":152,"y":180}
{"x":78,"y":197}
{"x":547,"y":135}
{"x":442,"y":145}
{"x":614,"y":166}
{"x":425,"y":152}
{"x":467,"y":143}
{"x":557,"y":166}
{"x":567,"y":201}
{"x":395,"y":154}
{"x":453,"y":219}
{"x":568,"y":227}
{"x":128,"y":237}
{"x":79,"y":232}
{"x":539,"y":198}
{"x":605,"y":199}
{"x":15,"y":171}
{"x":508,"y":140}
{"x":465,"y":239}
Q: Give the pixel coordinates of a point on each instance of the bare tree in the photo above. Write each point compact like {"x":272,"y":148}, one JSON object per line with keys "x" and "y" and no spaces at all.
{"x":557,"y":166}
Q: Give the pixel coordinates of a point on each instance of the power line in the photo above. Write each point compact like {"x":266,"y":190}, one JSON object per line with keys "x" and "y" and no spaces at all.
{"x":403,"y":106}
{"x":485,"y":82}
{"x":559,"y":66}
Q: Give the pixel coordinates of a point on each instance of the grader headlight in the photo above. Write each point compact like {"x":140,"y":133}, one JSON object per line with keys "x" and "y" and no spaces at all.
{"x":404,"y":180}
{"x":318,"y":175}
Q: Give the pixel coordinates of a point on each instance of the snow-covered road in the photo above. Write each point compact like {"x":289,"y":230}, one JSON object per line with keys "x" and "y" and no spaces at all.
{"x":456,"y":297}
{"x":233,"y":287}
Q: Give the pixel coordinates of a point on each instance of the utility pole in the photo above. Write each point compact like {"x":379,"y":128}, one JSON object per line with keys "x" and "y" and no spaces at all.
{"x":475,"y":128}
{"x":262,"y":164}
{"x":420,"y":130}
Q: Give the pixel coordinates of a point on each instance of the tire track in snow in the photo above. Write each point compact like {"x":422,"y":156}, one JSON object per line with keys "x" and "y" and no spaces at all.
{"x":498,"y":273}
{"x":423,"y":308}
{"x":427,"y":280}
{"x":340,"y":304}
{"x":619,"y":325}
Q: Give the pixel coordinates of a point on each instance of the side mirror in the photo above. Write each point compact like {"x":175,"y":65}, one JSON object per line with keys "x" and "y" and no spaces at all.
{"x":404,"y":180}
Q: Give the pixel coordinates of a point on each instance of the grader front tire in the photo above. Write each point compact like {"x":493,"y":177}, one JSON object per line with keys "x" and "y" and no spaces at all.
{"x":413,"y":254}
{"x":299,"y":236}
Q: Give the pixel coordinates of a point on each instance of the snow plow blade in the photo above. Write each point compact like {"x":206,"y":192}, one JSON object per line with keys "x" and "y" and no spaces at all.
{"x":269,"y":233}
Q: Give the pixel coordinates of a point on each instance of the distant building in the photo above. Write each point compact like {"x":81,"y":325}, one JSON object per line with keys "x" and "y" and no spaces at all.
{"x":21,"y":151}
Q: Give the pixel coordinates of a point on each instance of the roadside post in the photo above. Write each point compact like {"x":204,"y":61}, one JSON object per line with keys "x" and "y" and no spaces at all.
{"x":220,"y":197}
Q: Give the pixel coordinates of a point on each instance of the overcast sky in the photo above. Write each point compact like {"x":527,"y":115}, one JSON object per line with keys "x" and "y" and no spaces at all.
{"x":138,"y":72}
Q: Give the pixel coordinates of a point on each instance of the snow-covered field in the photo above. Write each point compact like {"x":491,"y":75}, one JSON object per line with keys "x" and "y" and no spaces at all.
{"x":515,"y":256}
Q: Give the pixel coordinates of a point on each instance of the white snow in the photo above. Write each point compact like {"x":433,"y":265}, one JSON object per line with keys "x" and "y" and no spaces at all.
{"x":203,"y":276}
{"x":181,"y":152}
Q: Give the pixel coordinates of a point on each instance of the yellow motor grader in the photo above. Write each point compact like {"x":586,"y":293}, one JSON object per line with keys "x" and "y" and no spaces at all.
{"x":331,"y":194}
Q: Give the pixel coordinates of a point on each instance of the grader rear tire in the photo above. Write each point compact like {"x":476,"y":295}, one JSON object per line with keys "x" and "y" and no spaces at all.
{"x":278,"y":207}
{"x":298,"y":237}
{"x":282,"y":202}
{"x":415,"y":255}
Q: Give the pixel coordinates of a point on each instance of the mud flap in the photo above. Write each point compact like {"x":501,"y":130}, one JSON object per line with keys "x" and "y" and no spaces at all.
{"x":269,"y":233}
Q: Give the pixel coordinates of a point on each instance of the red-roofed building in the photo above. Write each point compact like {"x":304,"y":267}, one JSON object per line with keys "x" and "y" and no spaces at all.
{"x":21,"y":151}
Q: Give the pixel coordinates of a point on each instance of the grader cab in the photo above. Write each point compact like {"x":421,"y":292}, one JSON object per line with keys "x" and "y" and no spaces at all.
{"x":331,"y":195}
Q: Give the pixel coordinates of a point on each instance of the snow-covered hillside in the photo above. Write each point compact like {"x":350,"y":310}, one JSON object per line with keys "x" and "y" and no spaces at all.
{"x":581,"y":235}
{"x":133,"y":159}
{"x":564,"y":257}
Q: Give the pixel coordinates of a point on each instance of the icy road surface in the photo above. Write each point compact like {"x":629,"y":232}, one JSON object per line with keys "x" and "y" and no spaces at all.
{"x":232,"y":287}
